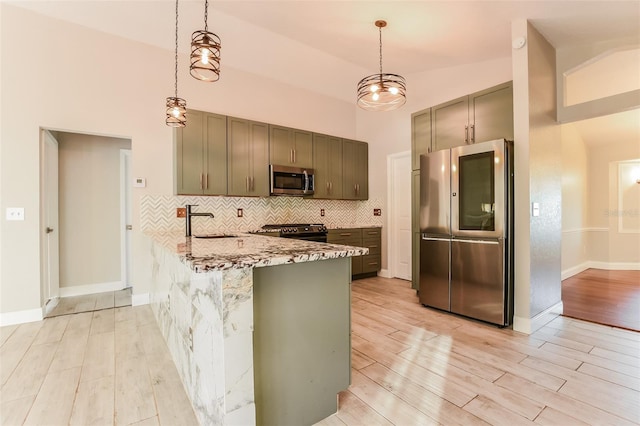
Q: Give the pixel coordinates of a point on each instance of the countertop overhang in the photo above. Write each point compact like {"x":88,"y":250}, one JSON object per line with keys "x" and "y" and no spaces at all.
{"x":248,"y":251}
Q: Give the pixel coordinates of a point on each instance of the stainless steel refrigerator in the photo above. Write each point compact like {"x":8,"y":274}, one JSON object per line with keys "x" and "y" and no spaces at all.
{"x":466,"y":222}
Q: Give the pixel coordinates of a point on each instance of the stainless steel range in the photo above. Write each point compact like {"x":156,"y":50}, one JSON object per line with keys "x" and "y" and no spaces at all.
{"x":301,"y":231}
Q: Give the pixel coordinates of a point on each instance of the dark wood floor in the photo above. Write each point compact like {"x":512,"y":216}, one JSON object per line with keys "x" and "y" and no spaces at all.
{"x":604,"y":297}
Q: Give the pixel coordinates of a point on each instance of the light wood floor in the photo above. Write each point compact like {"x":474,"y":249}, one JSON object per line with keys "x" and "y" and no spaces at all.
{"x":605,"y":297}
{"x":411,"y":366}
{"x":97,"y":368}
{"x":91,"y":302}
{"x":416,"y":366}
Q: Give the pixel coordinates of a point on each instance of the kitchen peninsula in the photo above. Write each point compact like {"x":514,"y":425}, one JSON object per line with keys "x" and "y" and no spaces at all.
{"x":258,"y":327}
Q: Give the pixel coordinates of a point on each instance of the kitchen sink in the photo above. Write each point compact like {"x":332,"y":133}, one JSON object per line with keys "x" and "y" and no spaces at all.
{"x":210,"y":236}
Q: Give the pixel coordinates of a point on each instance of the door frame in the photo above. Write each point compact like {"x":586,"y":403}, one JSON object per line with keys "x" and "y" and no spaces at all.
{"x":50,"y":289}
{"x":125,"y":217}
{"x":391,"y":217}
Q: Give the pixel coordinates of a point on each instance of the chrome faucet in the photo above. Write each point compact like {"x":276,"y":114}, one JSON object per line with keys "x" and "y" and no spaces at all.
{"x":190,"y":214}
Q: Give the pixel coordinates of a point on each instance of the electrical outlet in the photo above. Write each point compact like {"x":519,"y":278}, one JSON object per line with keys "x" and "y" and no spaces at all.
{"x":240,"y":213}
{"x":181,"y":212}
{"x":321,"y":212}
{"x":377,"y":212}
{"x":15,"y":213}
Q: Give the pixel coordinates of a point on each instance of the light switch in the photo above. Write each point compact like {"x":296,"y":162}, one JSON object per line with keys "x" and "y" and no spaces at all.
{"x":15,"y":213}
{"x":140,"y":182}
{"x":535,"y":209}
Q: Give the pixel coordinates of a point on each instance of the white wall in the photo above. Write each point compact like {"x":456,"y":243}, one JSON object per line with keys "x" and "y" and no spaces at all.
{"x":575,"y":196}
{"x":89,"y":208}
{"x":85,"y":81}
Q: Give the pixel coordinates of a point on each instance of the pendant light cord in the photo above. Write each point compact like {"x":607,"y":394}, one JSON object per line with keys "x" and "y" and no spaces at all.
{"x":176,"y":55}
{"x":380,"y":31}
{"x":206,"y":15}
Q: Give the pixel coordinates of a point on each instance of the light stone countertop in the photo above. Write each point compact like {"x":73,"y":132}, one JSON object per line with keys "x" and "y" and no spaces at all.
{"x":248,"y":251}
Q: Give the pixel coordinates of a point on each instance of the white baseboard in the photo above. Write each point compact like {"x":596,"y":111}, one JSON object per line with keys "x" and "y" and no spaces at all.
{"x":609,"y":266}
{"x":615,"y":266}
{"x":567,"y":273}
{"x":20,"y":317}
{"x":81,"y":290}
{"x":384,"y":273}
{"x":530,"y":325}
{"x":139,"y":299}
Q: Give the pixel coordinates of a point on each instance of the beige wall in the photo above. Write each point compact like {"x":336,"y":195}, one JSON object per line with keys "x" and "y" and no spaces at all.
{"x":89,"y":82}
{"x":575,"y":194}
{"x":89,"y":208}
{"x":538,"y":172}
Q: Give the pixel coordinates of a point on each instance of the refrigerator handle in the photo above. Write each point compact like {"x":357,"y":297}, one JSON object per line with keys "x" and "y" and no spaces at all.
{"x":425,"y":238}
{"x":491,"y":242}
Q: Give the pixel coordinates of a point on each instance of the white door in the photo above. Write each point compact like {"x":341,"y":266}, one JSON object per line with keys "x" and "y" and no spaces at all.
{"x":50,"y":231}
{"x":400,"y":215}
{"x":125,"y":215}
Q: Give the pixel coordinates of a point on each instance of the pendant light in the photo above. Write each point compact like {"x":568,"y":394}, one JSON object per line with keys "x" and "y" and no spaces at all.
{"x":205,"y":52}
{"x":381,"y":92}
{"x":176,"y":107}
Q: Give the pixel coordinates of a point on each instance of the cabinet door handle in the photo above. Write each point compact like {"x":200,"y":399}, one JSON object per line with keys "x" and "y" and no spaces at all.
{"x":346,"y":235}
{"x":373,"y":246}
{"x":328,"y":188}
{"x":246,"y":183}
{"x":331,"y":187}
{"x":201,"y":181}
{"x":291,"y":155}
{"x":206,"y":181}
{"x":466,"y":134}
{"x":372,"y":233}
{"x":252,"y":184}
{"x":473,"y":133}
{"x":294,"y":155}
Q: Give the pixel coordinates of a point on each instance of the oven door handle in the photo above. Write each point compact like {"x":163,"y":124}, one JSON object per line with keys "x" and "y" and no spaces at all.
{"x":306,"y":182}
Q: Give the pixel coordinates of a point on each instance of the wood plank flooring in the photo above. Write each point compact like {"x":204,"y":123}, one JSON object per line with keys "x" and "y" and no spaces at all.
{"x":416,"y":366}
{"x":91,"y":302}
{"x":109,"y":367}
{"x":605,"y":297}
{"x":410,"y":366}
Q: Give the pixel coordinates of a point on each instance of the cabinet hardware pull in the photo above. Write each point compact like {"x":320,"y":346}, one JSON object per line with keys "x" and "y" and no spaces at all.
{"x":346,"y":235}
{"x":373,"y":263}
{"x":246,"y":183}
{"x":49,"y":230}
{"x":252,"y":184}
{"x":373,"y":246}
{"x":291,"y":155}
{"x":473,"y":133}
{"x":466,"y":134}
{"x":331,"y":187}
{"x":328,"y":188}
{"x":201,"y":181}
{"x":372,"y":233}
{"x":206,"y":181}
{"x":294,"y":155}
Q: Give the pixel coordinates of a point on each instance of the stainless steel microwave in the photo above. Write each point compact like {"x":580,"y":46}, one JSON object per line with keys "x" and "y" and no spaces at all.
{"x":290,"y":180}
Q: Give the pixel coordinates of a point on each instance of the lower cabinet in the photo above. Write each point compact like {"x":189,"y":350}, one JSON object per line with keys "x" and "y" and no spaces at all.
{"x":371,"y":238}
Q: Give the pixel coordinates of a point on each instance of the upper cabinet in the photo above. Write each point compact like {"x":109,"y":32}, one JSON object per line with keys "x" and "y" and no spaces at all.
{"x":248,"y":158}
{"x":201,"y":155}
{"x":355,"y":170}
{"x":290,"y":147}
{"x":327,"y":166}
{"x":420,"y":136}
{"x":479,"y":117}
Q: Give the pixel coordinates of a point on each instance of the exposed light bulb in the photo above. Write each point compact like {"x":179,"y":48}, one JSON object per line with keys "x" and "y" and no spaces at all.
{"x":205,"y":56}
{"x":393,"y":90}
{"x":375,"y":96}
{"x":374,"y":88}
{"x":175,"y":112}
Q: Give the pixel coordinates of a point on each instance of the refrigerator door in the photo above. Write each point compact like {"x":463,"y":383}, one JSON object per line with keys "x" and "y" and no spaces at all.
{"x":478,"y":201}
{"x":435,"y":193}
{"x":478,"y":279}
{"x":434,"y":272}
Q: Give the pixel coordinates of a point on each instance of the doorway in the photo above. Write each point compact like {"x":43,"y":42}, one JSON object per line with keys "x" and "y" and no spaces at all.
{"x":399,"y":201}
{"x":93,"y":208}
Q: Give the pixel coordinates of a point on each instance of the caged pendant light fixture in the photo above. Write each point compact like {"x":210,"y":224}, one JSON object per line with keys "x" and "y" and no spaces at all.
{"x":205,"y":52}
{"x":382,"y":92}
{"x":176,"y":107}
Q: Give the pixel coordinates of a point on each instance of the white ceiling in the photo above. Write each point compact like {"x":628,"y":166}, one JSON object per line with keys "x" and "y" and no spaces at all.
{"x":304,"y":42}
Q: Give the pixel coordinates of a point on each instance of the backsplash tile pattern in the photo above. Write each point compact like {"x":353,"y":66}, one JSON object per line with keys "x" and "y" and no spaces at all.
{"x":158,"y":213}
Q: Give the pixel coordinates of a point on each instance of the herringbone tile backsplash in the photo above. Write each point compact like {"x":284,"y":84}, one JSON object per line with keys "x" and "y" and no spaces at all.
{"x":158,"y":213}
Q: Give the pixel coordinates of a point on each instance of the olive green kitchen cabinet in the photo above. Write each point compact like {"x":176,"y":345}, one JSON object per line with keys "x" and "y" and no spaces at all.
{"x":479,"y":117}
{"x":290,"y":147}
{"x":371,"y":238}
{"x":420,"y":136}
{"x":201,"y":155}
{"x":327,"y":166}
{"x":355,"y":170}
{"x":248,"y":157}
{"x":415,"y":230}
